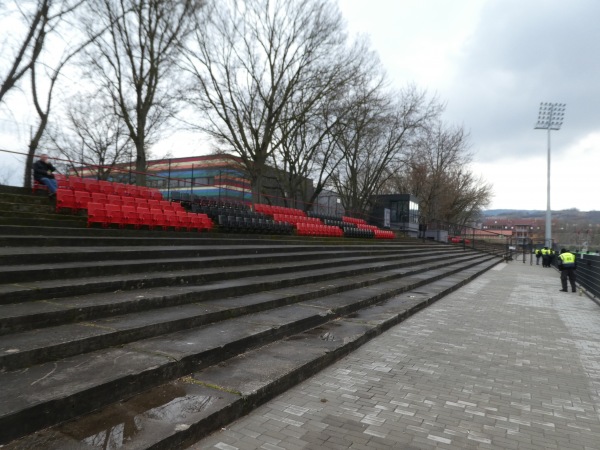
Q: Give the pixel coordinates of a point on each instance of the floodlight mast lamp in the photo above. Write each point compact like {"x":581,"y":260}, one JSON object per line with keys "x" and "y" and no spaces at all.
{"x":550,"y":117}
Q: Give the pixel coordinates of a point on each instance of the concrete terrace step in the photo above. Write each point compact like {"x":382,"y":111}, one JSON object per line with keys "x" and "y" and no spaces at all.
{"x":22,"y":235}
{"x":20,"y":350}
{"x":7,"y":207}
{"x":18,"y":317}
{"x":50,"y":221}
{"x":46,"y":255}
{"x":81,"y":269}
{"x":56,"y":391}
{"x":36,"y":215}
{"x":49,"y":289}
{"x":22,"y":199}
{"x":26,"y":236}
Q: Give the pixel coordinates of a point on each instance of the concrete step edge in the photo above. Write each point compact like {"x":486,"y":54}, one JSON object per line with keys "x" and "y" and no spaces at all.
{"x":49,"y":351}
{"x":43,"y":290}
{"x":78,"y":269}
{"x":70,"y":255}
{"x":71,"y":310}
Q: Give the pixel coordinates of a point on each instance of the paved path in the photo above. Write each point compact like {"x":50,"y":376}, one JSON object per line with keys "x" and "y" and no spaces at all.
{"x":506,"y":362}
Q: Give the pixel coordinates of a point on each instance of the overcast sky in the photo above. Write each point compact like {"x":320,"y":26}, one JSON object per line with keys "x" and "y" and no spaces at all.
{"x":492,"y":62}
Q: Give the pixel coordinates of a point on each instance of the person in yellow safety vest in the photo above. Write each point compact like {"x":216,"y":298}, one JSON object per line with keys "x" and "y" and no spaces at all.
{"x":538,"y":255}
{"x":567,"y":263}
{"x":545,"y":257}
{"x":552,"y":256}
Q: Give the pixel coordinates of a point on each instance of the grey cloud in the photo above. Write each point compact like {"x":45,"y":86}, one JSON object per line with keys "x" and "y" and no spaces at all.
{"x":523,"y":53}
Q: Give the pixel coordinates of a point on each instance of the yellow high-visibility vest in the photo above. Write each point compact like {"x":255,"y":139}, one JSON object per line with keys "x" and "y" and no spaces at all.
{"x":568,"y":259}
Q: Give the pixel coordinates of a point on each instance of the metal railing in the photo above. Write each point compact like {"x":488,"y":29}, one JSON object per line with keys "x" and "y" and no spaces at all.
{"x":467,"y":237}
{"x":588,"y":273}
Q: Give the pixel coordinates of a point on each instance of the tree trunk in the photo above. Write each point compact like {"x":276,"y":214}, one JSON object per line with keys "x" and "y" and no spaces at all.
{"x":140,"y":166}
{"x":33,"y":146}
{"x":28,"y":171}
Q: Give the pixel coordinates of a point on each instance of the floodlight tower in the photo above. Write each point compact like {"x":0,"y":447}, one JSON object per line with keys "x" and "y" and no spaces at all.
{"x":550,"y":117}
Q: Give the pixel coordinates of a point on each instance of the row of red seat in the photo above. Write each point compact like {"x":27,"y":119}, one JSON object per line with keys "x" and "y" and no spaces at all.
{"x":384,"y":234}
{"x":314,"y":229}
{"x":364,"y":226}
{"x":123,"y":215}
{"x":270,"y":210}
{"x":296,"y":219}
{"x":108,"y":188}
{"x":354,"y":220}
{"x":78,"y":200}
{"x":312,"y":226}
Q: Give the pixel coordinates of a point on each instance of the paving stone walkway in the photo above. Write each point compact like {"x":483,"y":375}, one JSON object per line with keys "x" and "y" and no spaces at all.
{"x":506,"y":362}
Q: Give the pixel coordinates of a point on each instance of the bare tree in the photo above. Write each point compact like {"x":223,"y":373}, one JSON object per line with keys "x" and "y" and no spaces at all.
{"x":40,"y":18}
{"x":26,"y":50}
{"x":307,"y":155}
{"x":134,"y":60}
{"x":253,"y":60}
{"x":53,"y":16}
{"x":380,"y":132}
{"x":43,"y":105}
{"x":90,"y":137}
{"x":437,"y":173}
{"x":309,"y":150}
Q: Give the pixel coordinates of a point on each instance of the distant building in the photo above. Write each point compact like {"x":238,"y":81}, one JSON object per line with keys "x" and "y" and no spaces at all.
{"x":214,"y":176}
{"x":398,"y":212}
{"x":275,"y":191}
{"x":328,"y":203}
{"x":490,"y":235}
{"x":522,"y":231}
{"x":221,"y":177}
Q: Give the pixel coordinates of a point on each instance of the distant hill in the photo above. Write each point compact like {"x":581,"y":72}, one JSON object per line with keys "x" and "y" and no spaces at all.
{"x":572,"y":215}
{"x":513,"y":212}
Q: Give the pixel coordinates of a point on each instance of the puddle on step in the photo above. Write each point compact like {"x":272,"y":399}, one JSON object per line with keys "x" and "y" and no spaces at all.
{"x":173,"y":406}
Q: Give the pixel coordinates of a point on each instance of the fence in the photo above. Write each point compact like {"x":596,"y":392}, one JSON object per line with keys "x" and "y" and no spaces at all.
{"x":588,"y":273}
{"x":468,"y":237}
{"x":169,"y":184}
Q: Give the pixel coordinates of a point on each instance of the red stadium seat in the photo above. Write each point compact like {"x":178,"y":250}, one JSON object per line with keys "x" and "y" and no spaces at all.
{"x":107,"y":188}
{"x":65,"y":199}
{"x":96,"y":214}
{"x":133,"y":191}
{"x":82,"y":198}
{"x":78,"y":185}
{"x":166,"y":205}
{"x":120,"y":189}
{"x":114,"y":199}
{"x":91,"y":185}
{"x":155,"y":194}
{"x":145,"y":217}
{"x":115,"y":215}
{"x":37,"y":186}
{"x":130,"y":216}
{"x":145,"y":192}
{"x":99,"y":197}
{"x":158,"y":219}
{"x":129,"y":201}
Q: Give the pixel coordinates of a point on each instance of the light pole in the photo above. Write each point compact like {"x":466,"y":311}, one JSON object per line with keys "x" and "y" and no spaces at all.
{"x":550,"y":117}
